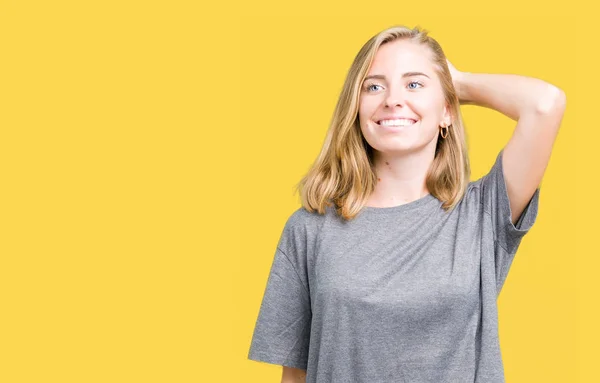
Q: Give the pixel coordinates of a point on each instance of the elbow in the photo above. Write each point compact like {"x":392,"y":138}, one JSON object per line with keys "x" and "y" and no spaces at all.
{"x":553,"y":101}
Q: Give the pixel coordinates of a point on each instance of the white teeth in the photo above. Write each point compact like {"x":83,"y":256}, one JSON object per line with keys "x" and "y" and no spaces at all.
{"x":400,"y":122}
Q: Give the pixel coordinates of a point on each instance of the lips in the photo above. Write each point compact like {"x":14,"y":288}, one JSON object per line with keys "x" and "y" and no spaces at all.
{"x":395,"y":125}
{"x":395,"y":118}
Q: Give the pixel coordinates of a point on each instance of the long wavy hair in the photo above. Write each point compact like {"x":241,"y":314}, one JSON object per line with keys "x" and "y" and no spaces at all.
{"x":343,"y":175}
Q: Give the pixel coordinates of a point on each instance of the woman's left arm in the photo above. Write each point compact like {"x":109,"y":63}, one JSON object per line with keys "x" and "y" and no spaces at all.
{"x":538,"y":108}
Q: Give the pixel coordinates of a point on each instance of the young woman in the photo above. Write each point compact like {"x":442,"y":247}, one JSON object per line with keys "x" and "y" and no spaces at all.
{"x":391,"y":269}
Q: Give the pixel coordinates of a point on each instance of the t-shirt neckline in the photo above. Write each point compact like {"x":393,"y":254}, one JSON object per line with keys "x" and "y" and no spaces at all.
{"x":400,"y":208}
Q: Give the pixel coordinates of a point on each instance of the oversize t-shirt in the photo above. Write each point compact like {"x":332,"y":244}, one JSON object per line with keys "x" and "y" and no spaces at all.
{"x":399,"y":294}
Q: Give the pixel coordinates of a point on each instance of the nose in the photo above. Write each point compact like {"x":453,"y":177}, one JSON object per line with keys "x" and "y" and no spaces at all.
{"x":394,"y":97}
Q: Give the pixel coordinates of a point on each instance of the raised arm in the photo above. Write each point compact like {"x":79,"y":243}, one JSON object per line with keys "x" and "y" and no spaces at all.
{"x":538,"y":108}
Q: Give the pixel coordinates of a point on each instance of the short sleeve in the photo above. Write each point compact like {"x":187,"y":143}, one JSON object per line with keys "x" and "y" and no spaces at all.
{"x":507,"y":236}
{"x":282,"y":331}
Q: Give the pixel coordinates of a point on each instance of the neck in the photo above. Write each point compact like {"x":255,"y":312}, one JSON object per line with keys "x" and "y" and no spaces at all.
{"x":400,"y":178}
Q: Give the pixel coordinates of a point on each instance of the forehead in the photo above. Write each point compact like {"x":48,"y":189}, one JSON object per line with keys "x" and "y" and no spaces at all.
{"x":402,"y":56}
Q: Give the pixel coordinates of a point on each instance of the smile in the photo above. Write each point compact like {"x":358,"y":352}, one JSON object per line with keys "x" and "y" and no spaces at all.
{"x":395,"y":125}
{"x":397,"y":122}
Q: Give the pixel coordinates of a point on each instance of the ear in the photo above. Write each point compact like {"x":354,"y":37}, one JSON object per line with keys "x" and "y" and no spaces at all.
{"x":447,"y":116}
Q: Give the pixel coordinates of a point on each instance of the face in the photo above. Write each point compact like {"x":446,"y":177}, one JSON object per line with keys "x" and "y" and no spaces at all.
{"x":402,"y":102}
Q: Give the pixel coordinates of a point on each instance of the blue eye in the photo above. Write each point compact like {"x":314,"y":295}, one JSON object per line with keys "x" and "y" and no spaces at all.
{"x":369,"y":86}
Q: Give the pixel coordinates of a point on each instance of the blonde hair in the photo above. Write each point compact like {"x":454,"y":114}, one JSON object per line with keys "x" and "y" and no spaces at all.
{"x":343,"y":174}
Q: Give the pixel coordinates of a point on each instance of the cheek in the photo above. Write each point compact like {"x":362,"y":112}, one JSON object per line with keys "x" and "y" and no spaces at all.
{"x":423,"y":103}
{"x":364,"y":106}
{"x":365,"y":111}
{"x":427,"y":108}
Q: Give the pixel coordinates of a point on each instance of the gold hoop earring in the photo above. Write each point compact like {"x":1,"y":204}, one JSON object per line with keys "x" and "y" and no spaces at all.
{"x":442,"y":131}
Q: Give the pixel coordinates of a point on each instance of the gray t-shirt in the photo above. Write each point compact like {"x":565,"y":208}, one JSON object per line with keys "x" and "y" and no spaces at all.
{"x":399,"y":294}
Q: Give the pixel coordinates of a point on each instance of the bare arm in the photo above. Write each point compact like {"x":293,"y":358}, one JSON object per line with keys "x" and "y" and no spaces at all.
{"x":538,"y":108}
{"x":293,"y":375}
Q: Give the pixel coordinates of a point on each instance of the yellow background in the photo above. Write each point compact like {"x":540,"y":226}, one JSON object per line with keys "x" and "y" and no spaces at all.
{"x":148,"y":154}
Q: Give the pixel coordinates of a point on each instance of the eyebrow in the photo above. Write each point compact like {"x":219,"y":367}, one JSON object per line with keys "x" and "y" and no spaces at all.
{"x":407,"y":74}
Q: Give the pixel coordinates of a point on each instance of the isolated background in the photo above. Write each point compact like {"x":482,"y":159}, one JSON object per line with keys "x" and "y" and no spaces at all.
{"x":148,"y":154}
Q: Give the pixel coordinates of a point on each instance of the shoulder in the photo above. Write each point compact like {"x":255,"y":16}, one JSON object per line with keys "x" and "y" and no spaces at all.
{"x":300,"y":228}
{"x":481,"y":186}
{"x":301,"y":220}
{"x":472,"y":197}
{"x":487,"y":188}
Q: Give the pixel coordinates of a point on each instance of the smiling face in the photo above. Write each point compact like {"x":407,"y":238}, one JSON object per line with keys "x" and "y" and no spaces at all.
{"x":402,"y":104}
